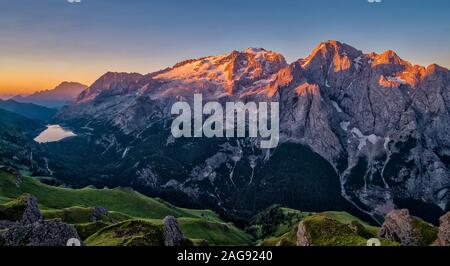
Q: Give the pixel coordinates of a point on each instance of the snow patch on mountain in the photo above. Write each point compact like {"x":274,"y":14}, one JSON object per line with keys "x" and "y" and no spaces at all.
{"x":396,"y":79}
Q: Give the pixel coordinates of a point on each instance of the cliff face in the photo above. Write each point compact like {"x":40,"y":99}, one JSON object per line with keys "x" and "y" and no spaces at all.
{"x":380,"y":125}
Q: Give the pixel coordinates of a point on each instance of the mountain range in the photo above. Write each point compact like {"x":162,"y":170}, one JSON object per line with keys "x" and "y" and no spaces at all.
{"x":361,"y":132}
{"x":62,"y":94}
{"x":29,"y":110}
{"x":17,"y":148}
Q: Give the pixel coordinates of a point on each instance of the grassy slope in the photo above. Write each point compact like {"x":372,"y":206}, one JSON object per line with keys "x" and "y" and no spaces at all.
{"x":3,"y":199}
{"x":285,"y":234}
{"x":144,"y":234}
{"x":275,"y":221}
{"x":347,"y":218}
{"x":325,"y":231}
{"x":13,"y":210}
{"x":287,"y":226}
{"x":216,"y":233}
{"x":289,"y":238}
{"x":74,"y":206}
{"x":428,"y":233}
{"x":122,"y":200}
{"x":329,"y":229}
{"x":77,"y":214}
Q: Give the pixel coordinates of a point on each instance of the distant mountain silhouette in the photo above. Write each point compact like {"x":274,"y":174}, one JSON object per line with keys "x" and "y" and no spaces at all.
{"x":28,"y":110}
{"x":62,"y":94}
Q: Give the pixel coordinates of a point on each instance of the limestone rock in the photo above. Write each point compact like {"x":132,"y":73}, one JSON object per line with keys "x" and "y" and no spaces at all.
{"x":302,"y":236}
{"x":40,"y":233}
{"x":173,"y":237}
{"x":24,"y":210}
{"x":6,"y":224}
{"x":99,"y":213}
{"x":444,"y":231}
{"x":401,"y":227}
{"x":32,"y":213}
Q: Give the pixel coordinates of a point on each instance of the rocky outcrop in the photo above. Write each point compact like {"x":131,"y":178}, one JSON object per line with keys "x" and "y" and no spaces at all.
{"x":302,"y":236}
{"x":397,"y":227}
{"x":40,"y":233}
{"x":23,"y":210}
{"x":173,"y":237}
{"x":6,"y":224}
{"x":32,"y":213}
{"x":401,"y":227}
{"x":25,"y":225}
{"x":99,"y":214}
{"x":444,"y":231}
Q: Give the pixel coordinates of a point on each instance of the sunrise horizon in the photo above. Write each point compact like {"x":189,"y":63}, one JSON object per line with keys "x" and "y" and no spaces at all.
{"x":50,"y":82}
{"x":53,"y":41}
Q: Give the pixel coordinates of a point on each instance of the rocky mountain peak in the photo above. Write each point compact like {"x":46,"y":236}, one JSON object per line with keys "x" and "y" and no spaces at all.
{"x":332,"y":62}
{"x":261,"y":54}
{"x":389,"y":57}
{"x":113,"y":82}
{"x":112,"y":78}
{"x":230,"y":71}
{"x":69,"y":86}
{"x":329,"y":51}
{"x":435,"y":69}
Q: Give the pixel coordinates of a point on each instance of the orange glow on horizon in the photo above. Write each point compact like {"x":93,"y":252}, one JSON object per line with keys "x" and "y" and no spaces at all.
{"x":25,"y":76}
{"x":28,"y":75}
{"x":27,"y":84}
{"x":16,"y":80}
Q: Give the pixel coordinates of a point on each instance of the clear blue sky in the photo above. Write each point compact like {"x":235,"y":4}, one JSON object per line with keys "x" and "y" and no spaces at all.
{"x":45,"y":41}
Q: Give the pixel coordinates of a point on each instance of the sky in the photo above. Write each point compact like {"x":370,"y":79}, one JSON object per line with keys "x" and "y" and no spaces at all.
{"x":44,"y":42}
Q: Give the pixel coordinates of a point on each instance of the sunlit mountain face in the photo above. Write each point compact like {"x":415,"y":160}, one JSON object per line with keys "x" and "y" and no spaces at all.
{"x":359,"y":133}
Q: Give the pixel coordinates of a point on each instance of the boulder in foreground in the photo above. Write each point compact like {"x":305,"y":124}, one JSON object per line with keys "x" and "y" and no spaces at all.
{"x":401,"y":227}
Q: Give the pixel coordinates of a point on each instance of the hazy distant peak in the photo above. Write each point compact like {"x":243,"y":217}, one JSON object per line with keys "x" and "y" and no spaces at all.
{"x":64,"y":93}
